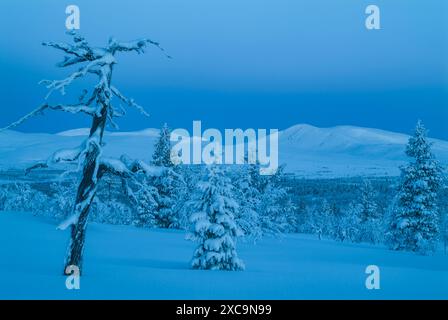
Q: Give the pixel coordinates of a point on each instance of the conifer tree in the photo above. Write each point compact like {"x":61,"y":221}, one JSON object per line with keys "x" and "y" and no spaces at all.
{"x":170,"y":185}
{"x":213,"y":223}
{"x":369,"y":208}
{"x":249,"y":198}
{"x":162,"y":149}
{"x":414,"y":223}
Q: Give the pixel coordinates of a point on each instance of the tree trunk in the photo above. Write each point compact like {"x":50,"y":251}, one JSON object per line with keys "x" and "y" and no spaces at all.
{"x":86,"y":193}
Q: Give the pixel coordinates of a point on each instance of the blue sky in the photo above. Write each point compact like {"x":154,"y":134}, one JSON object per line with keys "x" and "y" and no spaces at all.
{"x":251,"y":63}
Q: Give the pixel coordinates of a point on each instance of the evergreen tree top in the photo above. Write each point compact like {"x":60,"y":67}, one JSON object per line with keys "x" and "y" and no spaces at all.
{"x":418,"y":146}
{"x":162,"y":149}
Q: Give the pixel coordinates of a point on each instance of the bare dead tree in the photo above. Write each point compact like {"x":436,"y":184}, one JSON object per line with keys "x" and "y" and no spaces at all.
{"x":97,"y":61}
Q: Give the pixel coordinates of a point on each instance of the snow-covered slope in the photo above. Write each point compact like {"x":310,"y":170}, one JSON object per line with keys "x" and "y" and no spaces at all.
{"x":347,"y":151}
{"x":123,"y":262}
{"x":306,"y":150}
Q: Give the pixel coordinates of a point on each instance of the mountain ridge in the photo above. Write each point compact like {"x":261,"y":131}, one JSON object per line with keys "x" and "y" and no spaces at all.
{"x":308,"y":151}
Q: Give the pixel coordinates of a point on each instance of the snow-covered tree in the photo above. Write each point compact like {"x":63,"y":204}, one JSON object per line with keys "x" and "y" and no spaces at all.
{"x":249,"y":198}
{"x":414,"y":223}
{"x":63,"y":199}
{"x":170,"y":185}
{"x":321,"y":220}
{"x":22,"y":196}
{"x":275,"y":209}
{"x":98,"y":104}
{"x":191,"y":175}
{"x":346,"y":227}
{"x":213,"y":223}
{"x":171,"y":189}
{"x":162,"y":149}
{"x":369,"y":208}
{"x":370,"y":218}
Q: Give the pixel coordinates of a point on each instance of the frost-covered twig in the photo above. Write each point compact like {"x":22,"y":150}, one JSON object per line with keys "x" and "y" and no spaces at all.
{"x":128,"y":101}
{"x":80,"y":50}
{"x":60,"y":85}
{"x":33,"y":113}
{"x":136,"y":45}
{"x":75,"y":108}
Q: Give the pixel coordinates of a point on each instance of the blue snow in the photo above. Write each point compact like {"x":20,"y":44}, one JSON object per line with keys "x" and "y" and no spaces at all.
{"x":123,"y":262}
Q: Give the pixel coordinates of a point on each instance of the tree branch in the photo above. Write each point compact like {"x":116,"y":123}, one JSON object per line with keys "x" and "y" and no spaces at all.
{"x":60,"y":85}
{"x":128,"y":101}
{"x":33,"y":113}
{"x":136,"y":45}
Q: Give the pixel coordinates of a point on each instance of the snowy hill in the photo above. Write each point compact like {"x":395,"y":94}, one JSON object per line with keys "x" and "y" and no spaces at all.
{"x":308,"y":151}
{"x":347,"y":151}
{"x":123,"y":262}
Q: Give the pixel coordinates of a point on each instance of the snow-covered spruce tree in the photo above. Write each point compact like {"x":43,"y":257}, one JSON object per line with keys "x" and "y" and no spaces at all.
{"x":170,"y":185}
{"x":63,"y":198}
{"x":414,"y":222}
{"x":162,"y":149}
{"x":321,"y":220}
{"x":369,"y":208}
{"x":248,"y":197}
{"x":370,"y":218}
{"x":145,"y":201}
{"x":100,"y":62}
{"x":346,"y":227}
{"x":191,"y":175}
{"x":275,"y":209}
{"x":213,"y":223}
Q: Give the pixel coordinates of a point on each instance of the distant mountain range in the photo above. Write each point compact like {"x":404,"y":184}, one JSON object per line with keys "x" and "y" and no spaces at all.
{"x":308,"y":151}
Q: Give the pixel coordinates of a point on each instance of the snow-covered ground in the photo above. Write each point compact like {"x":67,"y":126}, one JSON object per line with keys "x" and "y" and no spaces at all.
{"x":126,"y":262}
{"x":342,"y":151}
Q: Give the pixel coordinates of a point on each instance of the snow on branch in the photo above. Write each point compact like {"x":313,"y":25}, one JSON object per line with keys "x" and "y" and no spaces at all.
{"x":33,"y":113}
{"x":73,"y":219}
{"x":75,"y":108}
{"x":126,"y":167}
{"x":60,"y":85}
{"x":140,"y":166}
{"x":136,"y":45}
{"x":80,"y":51}
{"x":113,"y":166}
{"x":128,"y":101}
{"x":60,"y":156}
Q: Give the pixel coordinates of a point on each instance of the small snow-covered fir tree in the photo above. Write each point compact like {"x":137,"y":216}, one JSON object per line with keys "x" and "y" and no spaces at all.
{"x":276,"y":210}
{"x":171,"y":188}
{"x":170,"y":185}
{"x":346,"y":227}
{"x":414,"y":222}
{"x":162,"y":149}
{"x":213,"y":223}
{"x":63,"y":199}
{"x":370,"y":224}
{"x":249,"y":199}
{"x":144,"y":199}
{"x":369,"y":208}
{"x":320,"y":220}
